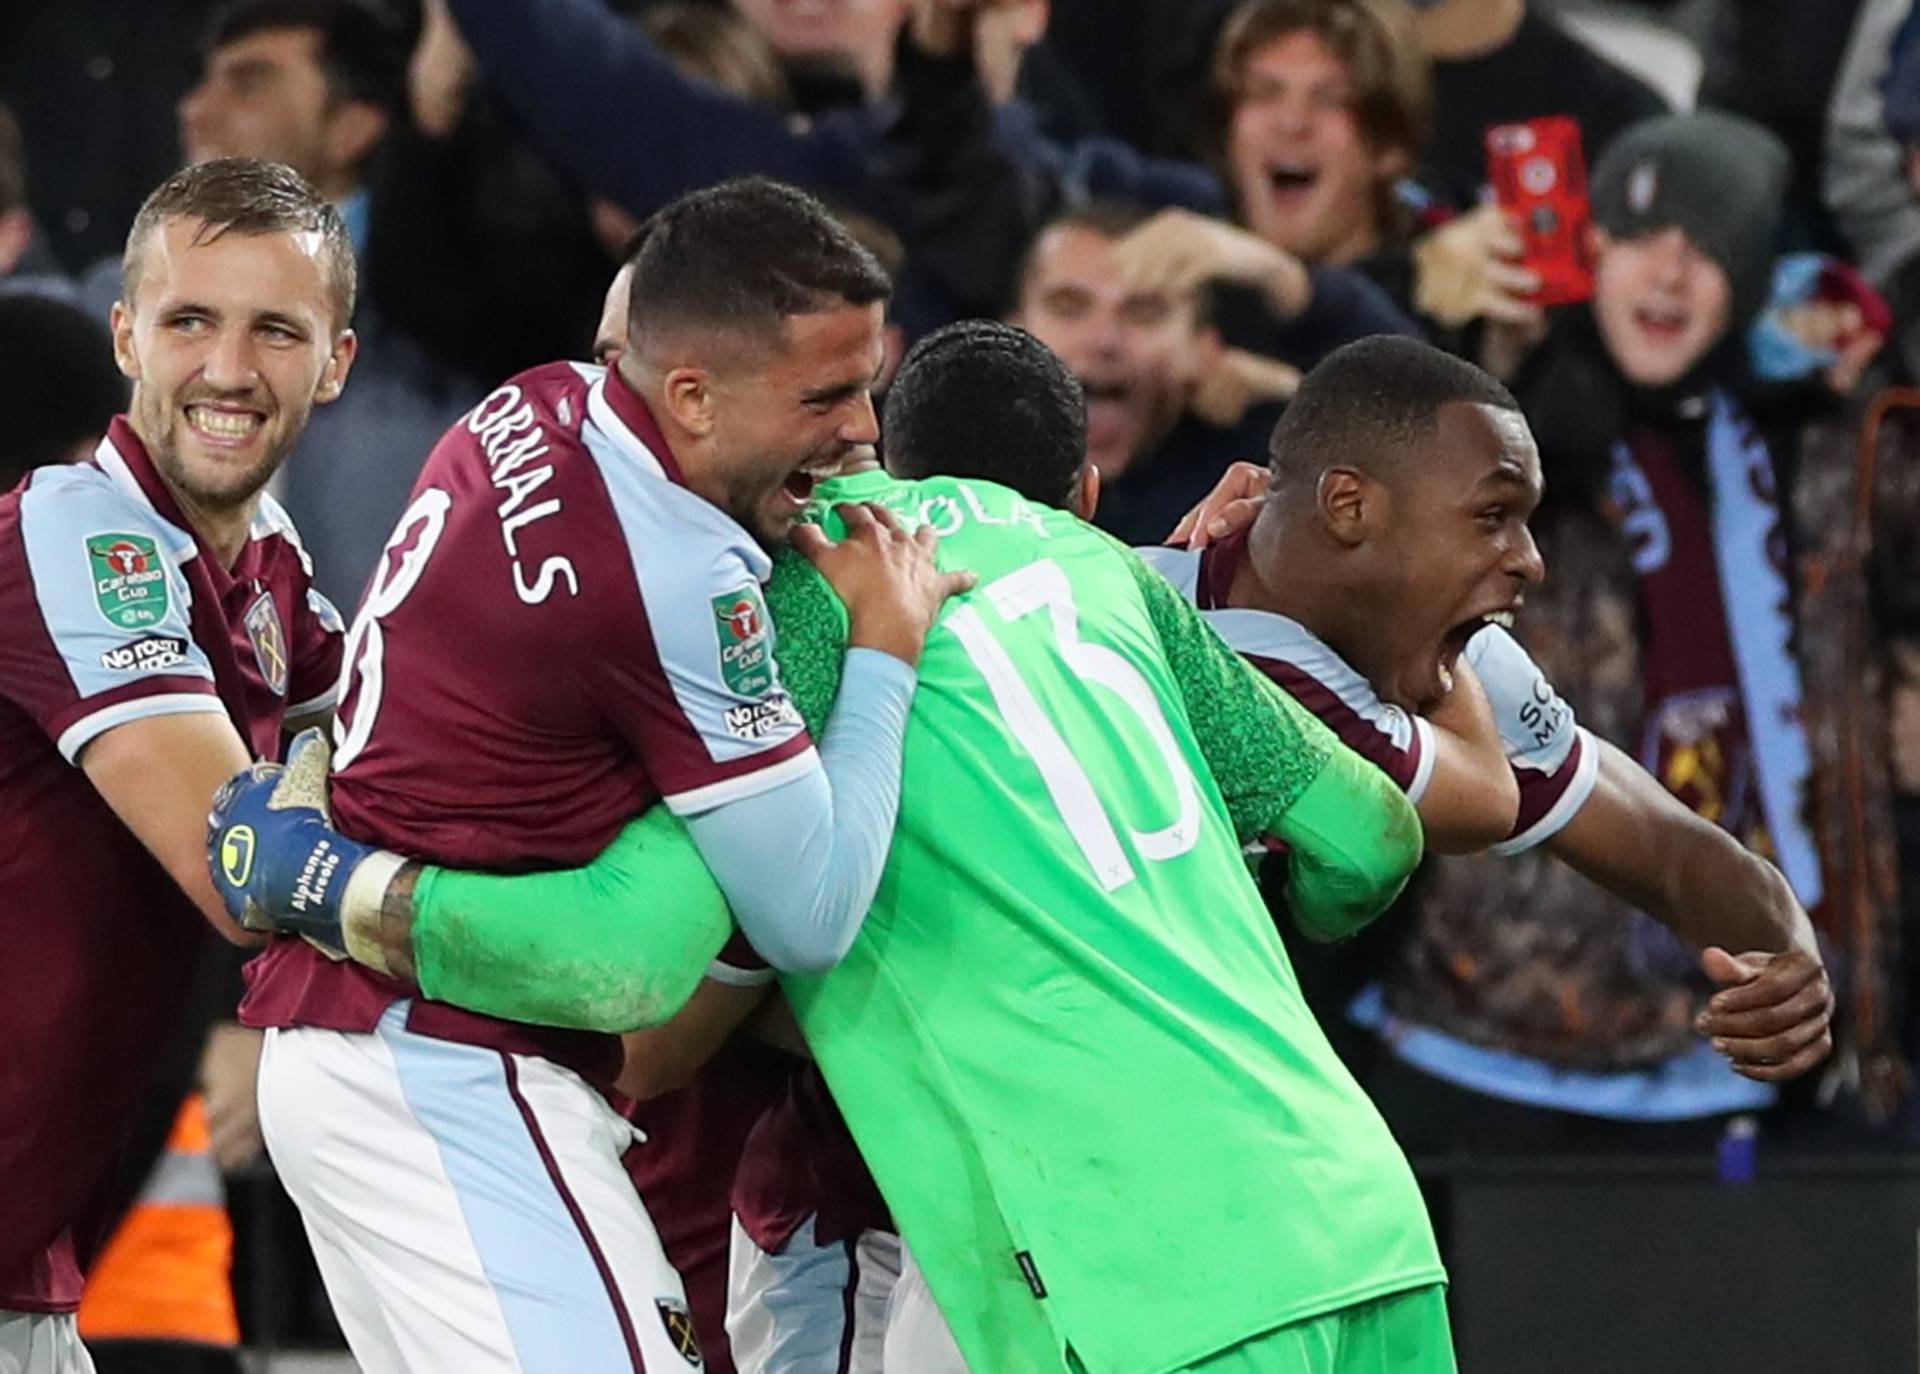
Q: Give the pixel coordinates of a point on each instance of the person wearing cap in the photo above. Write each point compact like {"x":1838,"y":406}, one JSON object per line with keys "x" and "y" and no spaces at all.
{"x":1524,"y":1009}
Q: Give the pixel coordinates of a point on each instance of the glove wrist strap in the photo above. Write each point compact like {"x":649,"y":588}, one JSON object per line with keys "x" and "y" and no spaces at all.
{"x":361,"y":905}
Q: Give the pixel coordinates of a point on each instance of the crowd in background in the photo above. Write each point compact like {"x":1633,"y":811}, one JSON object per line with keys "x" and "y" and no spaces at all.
{"x":1191,"y":202}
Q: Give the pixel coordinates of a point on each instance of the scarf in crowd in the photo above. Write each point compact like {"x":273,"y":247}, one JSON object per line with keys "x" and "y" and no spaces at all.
{"x":1723,"y":723}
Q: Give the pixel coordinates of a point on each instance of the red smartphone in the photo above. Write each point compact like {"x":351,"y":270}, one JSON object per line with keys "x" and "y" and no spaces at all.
{"x":1538,"y":172}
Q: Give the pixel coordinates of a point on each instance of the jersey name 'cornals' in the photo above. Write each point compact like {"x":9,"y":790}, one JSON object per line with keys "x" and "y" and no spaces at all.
{"x":115,"y":613}
{"x":558,"y":635}
{"x":1554,"y":761}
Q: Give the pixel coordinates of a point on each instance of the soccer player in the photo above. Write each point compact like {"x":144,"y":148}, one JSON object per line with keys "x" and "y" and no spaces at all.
{"x":162,"y":631}
{"x":1393,"y":531}
{"x":568,"y":626}
{"x":1067,"y":1037}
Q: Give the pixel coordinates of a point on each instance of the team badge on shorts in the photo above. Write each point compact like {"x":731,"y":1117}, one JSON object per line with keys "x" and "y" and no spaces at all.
{"x":679,"y":1323}
{"x":129,"y":580}
{"x":269,"y":643}
{"x":746,"y":646}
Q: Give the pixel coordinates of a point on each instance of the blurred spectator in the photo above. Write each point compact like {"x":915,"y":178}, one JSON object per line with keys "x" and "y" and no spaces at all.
{"x":25,"y":263}
{"x":1766,"y":62}
{"x":1501,"y":61}
{"x":835,"y":51}
{"x":1527,"y":1009}
{"x":59,"y":385}
{"x":1871,"y":180}
{"x":315,"y":84}
{"x":93,"y":83}
{"x":1147,"y":358}
{"x":714,"y":45}
{"x":967,"y":174}
{"x":462,"y":194}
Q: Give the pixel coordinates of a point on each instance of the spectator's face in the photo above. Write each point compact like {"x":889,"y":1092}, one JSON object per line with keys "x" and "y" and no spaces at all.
{"x":786,"y":417}
{"x":229,"y":341}
{"x":1303,"y":173}
{"x":1455,"y":547}
{"x":1138,"y":353}
{"x":823,"y":28}
{"x":265,"y":96}
{"x":1661,"y":304}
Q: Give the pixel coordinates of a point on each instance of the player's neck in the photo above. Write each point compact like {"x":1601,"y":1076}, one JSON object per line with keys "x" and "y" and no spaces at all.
{"x":1462,"y":29}
{"x":1311,"y":594}
{"x":222,"y":529}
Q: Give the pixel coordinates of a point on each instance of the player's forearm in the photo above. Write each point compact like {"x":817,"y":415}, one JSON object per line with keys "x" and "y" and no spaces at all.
{"x":1636,"y":840}
{"x":1353,"y":840}
{"x":617,"y":945}
{"x":800,"y":864}
{"x":158,"y":773}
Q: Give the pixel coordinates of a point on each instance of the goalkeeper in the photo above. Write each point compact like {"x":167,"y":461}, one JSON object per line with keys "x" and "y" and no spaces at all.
{"x":1067,"y":1039}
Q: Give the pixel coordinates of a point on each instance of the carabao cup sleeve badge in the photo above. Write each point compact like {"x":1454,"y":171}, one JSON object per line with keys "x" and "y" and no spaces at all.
{"x":129,"y":580}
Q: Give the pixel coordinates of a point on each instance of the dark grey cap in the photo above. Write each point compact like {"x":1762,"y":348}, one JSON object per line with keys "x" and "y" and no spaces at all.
{"x":1720,"y":179}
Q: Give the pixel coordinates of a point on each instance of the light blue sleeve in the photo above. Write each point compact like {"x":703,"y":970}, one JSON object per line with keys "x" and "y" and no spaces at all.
{"x":115,"y":606}
{"x":800,"y":862}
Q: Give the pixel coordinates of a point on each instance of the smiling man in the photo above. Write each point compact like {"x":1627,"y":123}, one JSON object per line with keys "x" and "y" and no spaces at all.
{"x":163,"y":631}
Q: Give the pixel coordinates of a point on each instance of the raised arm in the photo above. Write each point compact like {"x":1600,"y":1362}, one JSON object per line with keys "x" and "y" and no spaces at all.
{"x":608,"y":106}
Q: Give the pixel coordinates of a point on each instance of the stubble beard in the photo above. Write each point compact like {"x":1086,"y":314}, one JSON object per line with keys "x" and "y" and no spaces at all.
{"x":167,"y":435}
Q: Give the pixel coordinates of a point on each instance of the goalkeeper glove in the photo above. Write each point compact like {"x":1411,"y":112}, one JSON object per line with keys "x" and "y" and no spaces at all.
{"x":279,"y":865}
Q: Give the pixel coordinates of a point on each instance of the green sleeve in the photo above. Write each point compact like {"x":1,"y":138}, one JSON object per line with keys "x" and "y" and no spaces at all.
{"x":621,"y":943}
{"x":1352,"y":836}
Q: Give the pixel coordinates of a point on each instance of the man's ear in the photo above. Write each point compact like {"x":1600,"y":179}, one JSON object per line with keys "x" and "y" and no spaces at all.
{"x":120,"y":324}
{"x":1351,"y":505}
{"x":687,"y":393}
{"x":1598,"y":241}
{"x":1086,"y":491}
{"x":334,"y":376}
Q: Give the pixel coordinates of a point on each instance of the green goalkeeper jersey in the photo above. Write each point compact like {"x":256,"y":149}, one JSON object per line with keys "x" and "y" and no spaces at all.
{"x":1067,"y":1039}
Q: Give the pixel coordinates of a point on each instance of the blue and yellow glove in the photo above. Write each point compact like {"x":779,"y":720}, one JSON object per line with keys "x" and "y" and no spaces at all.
{"x":280,"y":866}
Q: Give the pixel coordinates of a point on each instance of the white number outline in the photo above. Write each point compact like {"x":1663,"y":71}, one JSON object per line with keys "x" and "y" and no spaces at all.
{"x":1042,"y":585}
{"x":366,"y":645}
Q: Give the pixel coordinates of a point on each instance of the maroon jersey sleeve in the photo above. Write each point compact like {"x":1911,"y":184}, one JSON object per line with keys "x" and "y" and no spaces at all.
{"x":98,"y":613}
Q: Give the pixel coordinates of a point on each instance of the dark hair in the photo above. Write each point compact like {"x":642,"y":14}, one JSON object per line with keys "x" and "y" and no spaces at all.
{"x":59,"y":386}
{"x":745,"y":255}
{"x":363,"y":53}
{"x":13,"y":163}
{"x":1372,"y":401}
{"x":984,"y":399}
{"x":244,"y":195}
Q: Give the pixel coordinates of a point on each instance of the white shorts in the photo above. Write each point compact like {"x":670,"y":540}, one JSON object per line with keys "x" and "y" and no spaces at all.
{"x":856,"y":1307}
{"x":918,"y":1338}
{"x":811,"y":1309}
{"x":468,"y":1208}
{"x":41,"y":1343}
